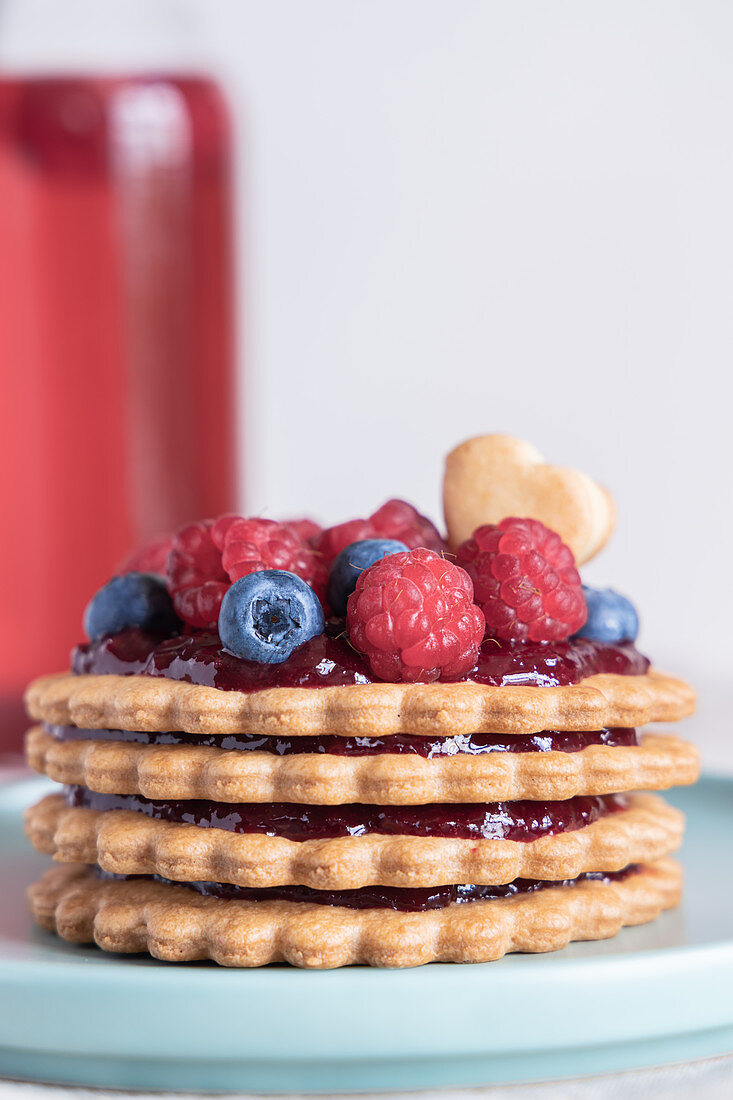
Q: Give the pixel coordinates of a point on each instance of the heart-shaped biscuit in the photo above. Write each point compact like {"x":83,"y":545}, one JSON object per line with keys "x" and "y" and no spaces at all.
{"x":495,"y":476}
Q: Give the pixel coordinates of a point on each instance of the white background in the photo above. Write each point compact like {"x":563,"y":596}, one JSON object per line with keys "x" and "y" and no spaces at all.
{"x":462,"y":217}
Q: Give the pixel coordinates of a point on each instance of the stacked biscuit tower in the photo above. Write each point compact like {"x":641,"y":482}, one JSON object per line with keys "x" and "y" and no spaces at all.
{"x":328,"y":817}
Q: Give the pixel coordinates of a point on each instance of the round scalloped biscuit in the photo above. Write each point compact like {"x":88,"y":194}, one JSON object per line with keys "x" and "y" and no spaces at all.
{"x":178,"y":925}
{"x":372,"y":710}
{"x":127,"y":842}
{"x":323,"y":779}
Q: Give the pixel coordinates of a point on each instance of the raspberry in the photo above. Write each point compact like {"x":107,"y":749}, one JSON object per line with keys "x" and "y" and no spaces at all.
{"x":208,"y":557}
{"x":413,"y":616}
{"x":394,"y":520}
{"x":200,"y":605}
{"x":195,"y":576}
{"x":308,"y":529}
{"x":149,"y":558}
{"x":251,"y":545}
{"x":525,"y":581}
{"x":399,"y":520}
{"x":335,"y":539}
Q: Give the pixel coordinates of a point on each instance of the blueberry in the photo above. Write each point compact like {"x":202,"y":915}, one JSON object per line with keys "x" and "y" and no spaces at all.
{"x":353,"y":560}
{"x":611,"y":617}
{"x":266,"y":615}
{"x":133,"y":599}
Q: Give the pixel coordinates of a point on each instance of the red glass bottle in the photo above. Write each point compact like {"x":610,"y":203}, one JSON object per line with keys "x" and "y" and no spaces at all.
{"x":116,"y":341}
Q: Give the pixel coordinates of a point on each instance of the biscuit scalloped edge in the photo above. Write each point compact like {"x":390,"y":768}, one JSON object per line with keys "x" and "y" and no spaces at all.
{"x":175,"y":924}
{"x":322,"y":779}
{"x":126,"y":842}
{"x":368,"y":710}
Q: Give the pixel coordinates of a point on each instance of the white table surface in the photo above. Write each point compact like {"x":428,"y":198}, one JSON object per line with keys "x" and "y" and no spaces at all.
{"x":710,"y":1079}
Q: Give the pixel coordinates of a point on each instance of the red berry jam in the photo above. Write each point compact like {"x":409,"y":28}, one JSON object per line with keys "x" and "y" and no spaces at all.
{"x":400,"y":744}
{"x":522,"y":821}
{"x":329,"y":661}
{"x":380,"y":897}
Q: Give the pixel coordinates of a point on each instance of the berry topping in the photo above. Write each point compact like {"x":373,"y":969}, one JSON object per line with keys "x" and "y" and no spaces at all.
{"x":352,"y":561}
{"x":525,"y":581}
{"x":132,"y":600}
{"x":611,"y":617}
{"x":394,"y":520}
{"x":335,"y":539}
{"x":207,"y":557}
{"x":308,"y":529}
{"x":266,"y":615}
{"x":251,"y":545}
{"x":399,"y":520}
{"x":195,"y":575}
{"x":413,"y":616}
{"x":150,"y":558}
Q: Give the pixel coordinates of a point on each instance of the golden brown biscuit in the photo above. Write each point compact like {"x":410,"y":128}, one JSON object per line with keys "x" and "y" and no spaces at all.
{"x":320,"y":779}
{"x":495,"y":476}
{"x":130,"y":843}
{"x":176,"y":924}
{"x":370,"y":710}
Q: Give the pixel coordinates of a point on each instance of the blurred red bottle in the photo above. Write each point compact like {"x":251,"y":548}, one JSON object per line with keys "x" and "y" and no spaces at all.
{"x":116,"y":342}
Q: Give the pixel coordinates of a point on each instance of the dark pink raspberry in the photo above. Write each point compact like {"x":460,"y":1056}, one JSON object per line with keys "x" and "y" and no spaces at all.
{"x":250,"y":545}
{"x":394,"y":520}
{"x":195,"y":576}
{"x":149,"y":558}
{"x":525,"y":581}
{"x":335,"y":539}
{"x":413,"y":616}
{"x":308,"y":529}
{"x":207,"y":557}
{"x":200,"y":604}
{"x":399,"y":520}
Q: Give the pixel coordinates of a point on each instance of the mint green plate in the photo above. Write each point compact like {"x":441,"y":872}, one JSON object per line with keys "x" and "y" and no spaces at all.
{"x":654,"y":994}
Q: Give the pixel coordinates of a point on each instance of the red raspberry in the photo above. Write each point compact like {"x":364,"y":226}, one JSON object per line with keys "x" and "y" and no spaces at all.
{"x":195,"y":576}
{"x":413,"y":616}
{"x":394,"y":520}
{"x":525,"y":581}
{"x":200,"y":604}
{"x":319,"y":581}
{"x":249,"y":545}
{"x":207,"y":557}
{"x":334,"y":539}
{"x":149,"y":558}
{"x":399,"y":520}
{"x":308,"y":529}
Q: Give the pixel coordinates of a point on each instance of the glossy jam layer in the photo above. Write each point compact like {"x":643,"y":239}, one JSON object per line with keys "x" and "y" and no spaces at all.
{"x":523,"y":821}
{"x":329,"y":661}
{"x":381,"y":897}
{"x":473,"y":744}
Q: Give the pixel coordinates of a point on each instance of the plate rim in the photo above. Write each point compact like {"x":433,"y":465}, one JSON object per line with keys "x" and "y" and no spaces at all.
{"x":695,"y":967}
